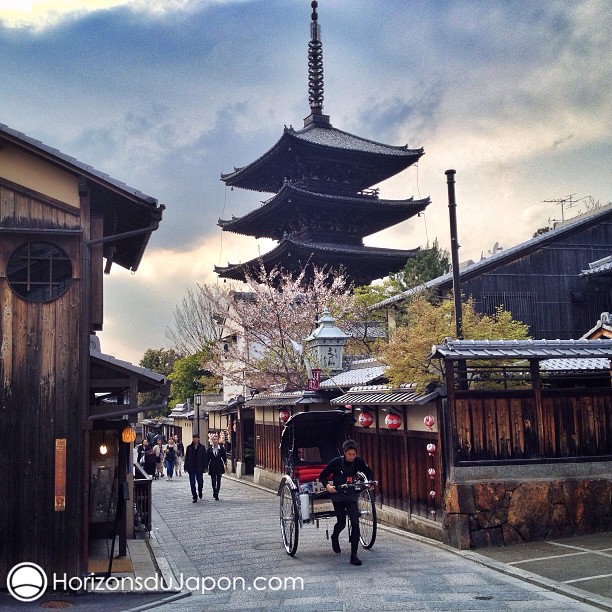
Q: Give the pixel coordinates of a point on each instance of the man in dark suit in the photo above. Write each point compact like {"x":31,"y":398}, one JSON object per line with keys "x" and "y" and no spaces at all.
{"x":216,"y":458}
{"x":195,"y":465}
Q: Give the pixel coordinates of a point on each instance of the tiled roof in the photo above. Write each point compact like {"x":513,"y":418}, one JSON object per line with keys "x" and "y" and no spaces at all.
{"x":601,"y":266}
{"x":337,"y":139}
{"x":359,"y":376}
{"x":522,"y":349}
{"x":283,"y":399}
{"x":568,"y":365}
{"x":374,"y":395}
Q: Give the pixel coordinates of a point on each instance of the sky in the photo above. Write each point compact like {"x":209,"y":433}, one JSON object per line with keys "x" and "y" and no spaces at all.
{"x":166,"y":95}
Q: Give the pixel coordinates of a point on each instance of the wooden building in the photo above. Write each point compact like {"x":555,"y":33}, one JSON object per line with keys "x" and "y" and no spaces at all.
{"x":59,"y":220}
{"x":324,"y":204}
{"x":558,"y":282}
{"x":526,"y":447}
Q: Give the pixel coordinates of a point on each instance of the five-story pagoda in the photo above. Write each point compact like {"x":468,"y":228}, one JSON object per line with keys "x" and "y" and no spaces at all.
{"x":323,"y":204}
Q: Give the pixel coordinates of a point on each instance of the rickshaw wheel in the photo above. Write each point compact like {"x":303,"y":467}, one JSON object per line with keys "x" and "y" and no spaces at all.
{"x":367,"y":518}
{"x":289,"y":519}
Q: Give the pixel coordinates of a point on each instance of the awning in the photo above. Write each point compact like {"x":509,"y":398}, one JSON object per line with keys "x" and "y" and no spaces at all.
{"x":383,"y":395}
{"x":293,"y":398}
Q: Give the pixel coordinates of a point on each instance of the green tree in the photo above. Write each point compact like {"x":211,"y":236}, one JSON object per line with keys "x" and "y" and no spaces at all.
{"x":427,"y":324}
{"x":427,"y":264}
{"x":189,"y":377}
{"x":161,"y":361}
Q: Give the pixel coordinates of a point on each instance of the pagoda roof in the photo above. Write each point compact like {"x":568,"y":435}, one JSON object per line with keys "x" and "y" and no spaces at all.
{"x":318,"y":150}
{"x":361,"y":264}
{"x":293,"y":206}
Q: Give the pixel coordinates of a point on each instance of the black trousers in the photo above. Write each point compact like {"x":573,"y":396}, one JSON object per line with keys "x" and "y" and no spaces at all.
{"x":215,"y":480}
{"x":192,"y":482}
{"x":350,"y":509}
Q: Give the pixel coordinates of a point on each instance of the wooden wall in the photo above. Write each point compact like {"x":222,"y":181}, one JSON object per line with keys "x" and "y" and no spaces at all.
{"x":39,"y":401}
{"x":495,"y":427}
{"x":544,"y":288}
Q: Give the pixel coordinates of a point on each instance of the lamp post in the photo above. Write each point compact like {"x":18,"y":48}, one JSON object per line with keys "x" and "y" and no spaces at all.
{"x":198,"y":403}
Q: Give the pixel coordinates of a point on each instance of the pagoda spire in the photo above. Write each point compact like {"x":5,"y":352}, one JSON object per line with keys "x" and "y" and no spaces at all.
{"x":315,"y":72}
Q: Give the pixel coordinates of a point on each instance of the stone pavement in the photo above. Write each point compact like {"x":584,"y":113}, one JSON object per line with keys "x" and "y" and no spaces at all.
{"x":232,"y":551}
{"x":228,"y":555}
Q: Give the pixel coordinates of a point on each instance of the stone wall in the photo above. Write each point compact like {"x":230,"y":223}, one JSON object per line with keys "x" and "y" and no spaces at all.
{"x":481,"y":514}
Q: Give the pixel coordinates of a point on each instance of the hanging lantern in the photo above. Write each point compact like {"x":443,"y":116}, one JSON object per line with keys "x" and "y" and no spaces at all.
{"x":393,"y":421}
{"x":429,"y":421}
{"x":284,"y":415}
{"x":432,"y":494}
{"x":431,"y":449}
{"x":366,"y":419}
{"x":128,"y":435}
{"x":432,"y":473}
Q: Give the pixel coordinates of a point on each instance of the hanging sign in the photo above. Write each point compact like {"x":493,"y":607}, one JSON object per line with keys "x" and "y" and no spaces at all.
{"x":60,"y":474}
{"x":314,"y":383}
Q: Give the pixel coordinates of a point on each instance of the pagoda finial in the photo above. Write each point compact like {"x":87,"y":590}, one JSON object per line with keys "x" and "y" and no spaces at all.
{"x":315,"y":64}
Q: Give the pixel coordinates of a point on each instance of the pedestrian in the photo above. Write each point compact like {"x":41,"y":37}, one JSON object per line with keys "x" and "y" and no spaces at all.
{"x":216,"y":458}
{"x":180,"y":455}
{"x":343,"y":470}
{"x":150,"y":460}
{"x":159,"y":458}
{"x":141,"y":449}
{"x":195,"y":465}
{"x":170,"y":459}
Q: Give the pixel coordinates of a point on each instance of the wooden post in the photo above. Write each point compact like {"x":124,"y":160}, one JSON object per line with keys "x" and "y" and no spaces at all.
{"x":536,"y":385}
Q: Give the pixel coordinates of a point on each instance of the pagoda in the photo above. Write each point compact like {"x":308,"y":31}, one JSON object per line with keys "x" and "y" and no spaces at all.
{"x":323,"y":203}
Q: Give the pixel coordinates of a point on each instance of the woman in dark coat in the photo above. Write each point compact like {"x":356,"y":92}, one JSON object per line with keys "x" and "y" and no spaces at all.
{"x":343,"y":470}
{"x":216,"y":458}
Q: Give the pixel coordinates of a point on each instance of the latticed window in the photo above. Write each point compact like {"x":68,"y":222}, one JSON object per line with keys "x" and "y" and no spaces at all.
{"x":39,"y":271}
{"x":522,"y":304}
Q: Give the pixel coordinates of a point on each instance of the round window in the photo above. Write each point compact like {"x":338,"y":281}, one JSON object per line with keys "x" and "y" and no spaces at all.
{"x":39,"y":272}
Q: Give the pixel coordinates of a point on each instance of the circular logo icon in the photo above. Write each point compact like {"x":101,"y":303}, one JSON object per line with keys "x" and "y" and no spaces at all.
{"x":27,"y":581}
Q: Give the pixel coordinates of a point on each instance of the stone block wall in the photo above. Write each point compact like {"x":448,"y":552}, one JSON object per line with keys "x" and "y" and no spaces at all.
{"x":481,"y":514}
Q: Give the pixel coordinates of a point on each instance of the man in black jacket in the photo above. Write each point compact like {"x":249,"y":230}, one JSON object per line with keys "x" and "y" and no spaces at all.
{"x":343,"y":470}
{"x":195,"y":465}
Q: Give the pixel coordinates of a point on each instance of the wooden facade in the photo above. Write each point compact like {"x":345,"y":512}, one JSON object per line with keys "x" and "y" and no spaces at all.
{"x":55,"y":227}
{"x":541,"y":282}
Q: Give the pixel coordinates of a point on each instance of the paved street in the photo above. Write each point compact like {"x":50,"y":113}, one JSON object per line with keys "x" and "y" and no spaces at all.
{"x":237,"y":539}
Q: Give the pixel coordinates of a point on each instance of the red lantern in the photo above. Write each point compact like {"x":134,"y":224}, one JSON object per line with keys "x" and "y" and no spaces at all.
{"x":393,"y":421}
{"x":366,"y":419}
{"x":429,"y":421}
{"x":432,"y":473}
{"x":284,"y":415}
{"x":431,"y":449}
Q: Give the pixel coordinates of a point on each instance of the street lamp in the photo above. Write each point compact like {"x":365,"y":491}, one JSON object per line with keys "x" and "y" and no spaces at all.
{"x":198,"y":403}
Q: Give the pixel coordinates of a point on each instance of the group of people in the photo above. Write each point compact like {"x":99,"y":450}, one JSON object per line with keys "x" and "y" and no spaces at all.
{"x":195,"y":460}
{"x":161,"y":454}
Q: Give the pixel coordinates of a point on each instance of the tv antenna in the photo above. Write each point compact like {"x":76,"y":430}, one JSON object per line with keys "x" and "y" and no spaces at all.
{"x":566,"y":202}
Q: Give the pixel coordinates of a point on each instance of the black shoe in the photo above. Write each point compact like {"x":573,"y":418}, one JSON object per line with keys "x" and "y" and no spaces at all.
{"x":200,"y":494}
{"x":195,"y":500}
{"x":335,"y":544}
{"x":355,"y":560}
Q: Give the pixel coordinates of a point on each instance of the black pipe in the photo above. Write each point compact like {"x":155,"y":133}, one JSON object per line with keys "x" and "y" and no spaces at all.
{"x":452,"y":212}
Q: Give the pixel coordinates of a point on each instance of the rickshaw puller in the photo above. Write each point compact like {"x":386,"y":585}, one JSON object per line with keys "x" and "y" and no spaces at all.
{"x":343,"y":470}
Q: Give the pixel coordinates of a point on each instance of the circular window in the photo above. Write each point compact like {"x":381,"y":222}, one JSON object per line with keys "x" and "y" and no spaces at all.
{"x":39,"y":272}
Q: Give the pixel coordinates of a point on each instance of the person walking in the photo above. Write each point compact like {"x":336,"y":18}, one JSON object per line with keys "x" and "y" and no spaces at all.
{"x":141,"y":449}
{"x":343,"y":470}
{"x":159,"y":458}
{"x":180,"y":454}
{"x":150,"y":459}
{"x":170,"y":459}
{"x":216,"y":459}
{"x":195,"y":466}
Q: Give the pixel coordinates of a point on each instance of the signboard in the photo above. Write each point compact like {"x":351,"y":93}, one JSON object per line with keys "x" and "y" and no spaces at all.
{"x":314,"y":383}
{"x":60,"y":474}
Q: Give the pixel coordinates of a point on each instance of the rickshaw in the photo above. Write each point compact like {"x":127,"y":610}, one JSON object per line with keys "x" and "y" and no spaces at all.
{"x":310,"y":440}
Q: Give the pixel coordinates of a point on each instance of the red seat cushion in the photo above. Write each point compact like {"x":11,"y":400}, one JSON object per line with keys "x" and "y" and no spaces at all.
{"x":307,"y":473}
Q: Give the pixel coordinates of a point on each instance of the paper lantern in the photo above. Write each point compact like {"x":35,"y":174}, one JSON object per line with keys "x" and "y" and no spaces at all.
{"x":393,"y":421}
{"x":128,"y":435}
{"x":366,"y":419}
{"x":429,"y":421}
{"x":431,"y":449}
{"x":284,"y":415}
{"x":432,"y":473}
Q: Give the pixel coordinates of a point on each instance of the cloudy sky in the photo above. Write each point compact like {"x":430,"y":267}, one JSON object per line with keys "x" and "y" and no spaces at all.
{"x":165,"y":95}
